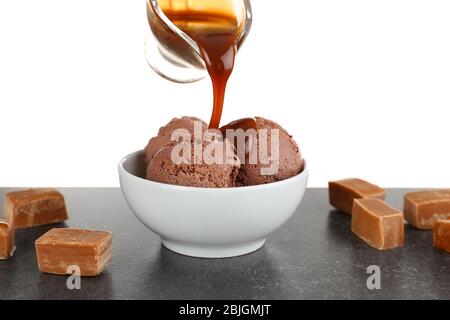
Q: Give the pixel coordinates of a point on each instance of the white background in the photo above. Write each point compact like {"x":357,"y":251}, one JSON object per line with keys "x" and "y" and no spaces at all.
{"x":362,"y":85}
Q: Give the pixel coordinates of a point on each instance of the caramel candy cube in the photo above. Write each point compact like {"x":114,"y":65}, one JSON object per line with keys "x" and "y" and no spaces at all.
{"x":423,"y":208}
{"x":441,"y":235}
{"x":7,"y":246}
{"x":378,"y":224}
{"x":34,"y":207}
{"x":61,"y":248}
{"x":343,"y":192}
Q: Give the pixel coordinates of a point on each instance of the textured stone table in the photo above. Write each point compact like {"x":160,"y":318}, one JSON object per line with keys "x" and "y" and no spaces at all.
{"x":313,"y":256}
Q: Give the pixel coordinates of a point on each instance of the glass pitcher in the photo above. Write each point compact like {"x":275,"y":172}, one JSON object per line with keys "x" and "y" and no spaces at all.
{"x":170,"y":52}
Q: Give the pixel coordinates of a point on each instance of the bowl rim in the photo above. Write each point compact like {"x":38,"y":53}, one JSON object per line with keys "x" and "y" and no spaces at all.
{"x":122,"y":170}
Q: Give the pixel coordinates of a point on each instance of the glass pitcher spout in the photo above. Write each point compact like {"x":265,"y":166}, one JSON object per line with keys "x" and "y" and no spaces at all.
{"x":170,"y":52}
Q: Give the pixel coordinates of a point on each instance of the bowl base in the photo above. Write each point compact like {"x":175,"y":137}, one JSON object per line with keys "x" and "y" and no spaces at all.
{"x":199,"y":251}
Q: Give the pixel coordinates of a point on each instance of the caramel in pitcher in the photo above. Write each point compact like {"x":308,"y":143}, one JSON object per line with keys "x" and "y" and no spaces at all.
{"x":215,"y":26}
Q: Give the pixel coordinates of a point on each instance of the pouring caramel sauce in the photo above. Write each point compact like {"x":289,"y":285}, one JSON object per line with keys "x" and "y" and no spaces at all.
{"x":216,"y":27}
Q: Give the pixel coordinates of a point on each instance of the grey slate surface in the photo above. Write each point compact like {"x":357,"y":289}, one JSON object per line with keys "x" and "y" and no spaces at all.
{"x":313,"y":256}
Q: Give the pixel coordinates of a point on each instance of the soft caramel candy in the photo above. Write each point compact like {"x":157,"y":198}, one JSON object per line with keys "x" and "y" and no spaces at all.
{"x":343,"y":192}
{"x":34,"y":207}
{"x":7,"y":246}
{"x":61,"y":248}
{"x":423,"y":208}
{"x":378,"y":224}
{"x":441,"y":235}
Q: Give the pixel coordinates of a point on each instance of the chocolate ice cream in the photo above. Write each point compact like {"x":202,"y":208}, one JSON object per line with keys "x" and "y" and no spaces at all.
{"x":212,"y":171}
{"x":289,"y":162}
{"x":280,"y":158}
{"x":163,"y":138}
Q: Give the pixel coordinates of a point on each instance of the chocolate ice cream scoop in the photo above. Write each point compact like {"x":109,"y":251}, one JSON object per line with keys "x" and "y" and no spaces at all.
{"x":270,"y":166}
{"x":268,"y":154}
{"x":163,"y":138}
{"x":213,"y":166}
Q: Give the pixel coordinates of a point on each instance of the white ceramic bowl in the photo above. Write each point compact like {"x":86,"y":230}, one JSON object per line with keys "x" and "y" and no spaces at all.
{"x":209,"y":223}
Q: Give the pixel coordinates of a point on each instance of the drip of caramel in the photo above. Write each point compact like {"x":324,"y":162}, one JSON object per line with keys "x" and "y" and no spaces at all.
{"x":244,"y":124}
{"x":215,"y":27}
